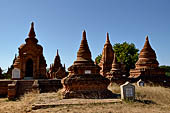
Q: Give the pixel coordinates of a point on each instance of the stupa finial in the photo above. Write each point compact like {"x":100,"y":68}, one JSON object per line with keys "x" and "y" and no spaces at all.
{"x":107,"y":39}
{"x":57,"y":53}
{"x":32,"y":32}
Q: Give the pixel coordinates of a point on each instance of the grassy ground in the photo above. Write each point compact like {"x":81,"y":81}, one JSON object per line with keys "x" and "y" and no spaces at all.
{"x":148,"y":100}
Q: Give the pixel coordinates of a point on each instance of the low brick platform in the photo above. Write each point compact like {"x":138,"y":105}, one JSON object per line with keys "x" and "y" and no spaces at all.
{"x":22,"y":86}
{"x":4,"y":87}
{"x":73,"y":102}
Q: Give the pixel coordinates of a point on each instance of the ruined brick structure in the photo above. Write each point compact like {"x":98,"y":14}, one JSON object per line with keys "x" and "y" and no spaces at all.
{"x":117,"y":73}
{"x":107,"y":57}
{"x":84,"y":80}
{"x":56,"y":69}
{"x":110,"y":67}
{"x":31,"y":61}
{"x":147,"y":66}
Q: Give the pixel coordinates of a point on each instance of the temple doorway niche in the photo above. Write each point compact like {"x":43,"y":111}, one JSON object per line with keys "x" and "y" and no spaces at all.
{"x":29,"y":68}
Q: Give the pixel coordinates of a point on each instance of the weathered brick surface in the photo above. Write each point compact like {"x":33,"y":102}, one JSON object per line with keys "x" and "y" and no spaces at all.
{"x":23,"y":86}
{"x":4,"y":87}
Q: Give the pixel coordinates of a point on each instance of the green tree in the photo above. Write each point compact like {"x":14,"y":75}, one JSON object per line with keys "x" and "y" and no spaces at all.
{"x":4,"y":75}
{"x":125,"y":53}
{"x":167,"y":69}
{"x":98,"y":58}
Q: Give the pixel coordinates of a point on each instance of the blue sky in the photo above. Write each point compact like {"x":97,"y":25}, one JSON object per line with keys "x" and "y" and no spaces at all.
{"x":59,"y":25}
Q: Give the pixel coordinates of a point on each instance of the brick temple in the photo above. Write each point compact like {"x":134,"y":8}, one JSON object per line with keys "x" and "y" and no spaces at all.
{"x":84,"y":80}
{"x":31,"y":61}
{"x":107,"y":57}
{"x":56,"y":70}
{"x":147,"y":66}
{"x":29,"y":71}
{"x":110,"y":67}
{"x":117,"y":73}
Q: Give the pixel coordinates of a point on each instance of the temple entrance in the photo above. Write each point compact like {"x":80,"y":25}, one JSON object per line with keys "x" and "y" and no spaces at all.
{"x":29,"y":68}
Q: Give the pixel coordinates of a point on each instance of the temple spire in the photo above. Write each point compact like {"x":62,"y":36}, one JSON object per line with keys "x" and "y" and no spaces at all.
{"x":64,"y":66}
{"x":57,"y":53}
{"x":32,"y":32}
{"x":115,"y":58}
{"x":107,"y":39}
{"x":84,"y":53}
{"x":84,"y":35}
{"x":115,"y":64}
{"x":147,"y":38}
{"x":57,"y":60}
{"x":147,"y":44}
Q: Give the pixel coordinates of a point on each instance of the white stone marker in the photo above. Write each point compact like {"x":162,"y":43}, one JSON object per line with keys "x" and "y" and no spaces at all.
{"x":16,"y":73}
{"x":87,"y":72}
{"x":127,"y":91}
{"x":141,"y":83}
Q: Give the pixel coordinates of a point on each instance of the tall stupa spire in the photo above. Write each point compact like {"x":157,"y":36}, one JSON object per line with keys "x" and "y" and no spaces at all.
{"x":57,"y":53}
{"x":32,"y":32}
{"x":107,"y":57}
{"x":115,"y":64}
{"x":83,"y":53}
{"x":107,"y":39}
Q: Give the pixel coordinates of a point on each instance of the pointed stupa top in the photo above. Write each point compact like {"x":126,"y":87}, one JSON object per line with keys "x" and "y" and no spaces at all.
{"x":57,"y":53}
{"x":107,"y":55}
{"x":14,"y":58}
{"x":57,"y":61}
{"x":115,"y":64}
{"x":83,"y":54}
{"x":31,"y":37}
{"x":147,"y":46}
{"x":32,"y":32}
{"x":147,"y":56}
{"x":64,"y":66}
{"x":115,"y":59}
{"x":107,"y":39}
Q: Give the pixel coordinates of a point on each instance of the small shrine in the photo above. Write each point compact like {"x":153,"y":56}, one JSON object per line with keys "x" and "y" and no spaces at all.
{"x":84,"y":80}
{"x":117,"y":73}
{"x":147,"y":66}
{"x":56,"y":69}
{"x":30,"y":61}
{"x":107,"y":57}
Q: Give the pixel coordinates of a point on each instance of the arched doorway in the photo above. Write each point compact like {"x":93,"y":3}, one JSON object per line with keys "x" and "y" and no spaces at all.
{"x":29,"y":68}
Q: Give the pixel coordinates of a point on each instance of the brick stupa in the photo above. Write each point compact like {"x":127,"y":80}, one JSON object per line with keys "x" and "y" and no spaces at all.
{"x":107,"y":57}
{"x":84,"y":80}
{"x":31,"y":61}
{"x":56,"y":69}
{"x":117,"y":72}
{"x":147,"y":66}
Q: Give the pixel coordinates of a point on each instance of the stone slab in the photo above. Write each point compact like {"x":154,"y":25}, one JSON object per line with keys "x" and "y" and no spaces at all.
{"x":74,"y":102}
{"x":16,"y":73}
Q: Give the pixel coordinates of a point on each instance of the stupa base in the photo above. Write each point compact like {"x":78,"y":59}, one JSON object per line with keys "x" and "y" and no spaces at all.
{"x":105,"y":94}
{"x":86,"y":86}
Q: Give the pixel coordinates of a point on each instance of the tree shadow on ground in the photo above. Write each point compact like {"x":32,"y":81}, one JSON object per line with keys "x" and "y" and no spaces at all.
{"x":145,"y":101}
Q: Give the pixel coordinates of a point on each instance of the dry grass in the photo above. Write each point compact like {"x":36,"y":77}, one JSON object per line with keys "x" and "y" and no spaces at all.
{"x":149,"y":100}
